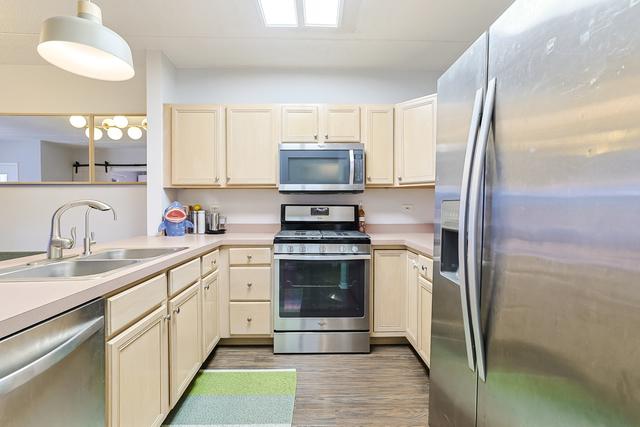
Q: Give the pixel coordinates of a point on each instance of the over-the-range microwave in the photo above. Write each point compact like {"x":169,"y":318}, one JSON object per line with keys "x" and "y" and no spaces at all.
{"x":321,"y":168}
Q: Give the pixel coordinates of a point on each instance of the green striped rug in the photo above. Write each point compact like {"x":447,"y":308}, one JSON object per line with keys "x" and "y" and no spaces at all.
{"x":237,"y":397}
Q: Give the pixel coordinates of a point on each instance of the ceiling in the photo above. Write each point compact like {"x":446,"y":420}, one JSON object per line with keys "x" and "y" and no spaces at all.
{"x":375,"y":34}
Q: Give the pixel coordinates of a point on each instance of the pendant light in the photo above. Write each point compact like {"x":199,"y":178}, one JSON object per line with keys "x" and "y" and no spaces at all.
{"x":82,"y":45}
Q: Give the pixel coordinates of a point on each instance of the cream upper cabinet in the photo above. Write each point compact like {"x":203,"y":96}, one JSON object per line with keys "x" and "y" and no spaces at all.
{"x":196,"y":140}
{"x":415,"y":141}
{"x":412,"y":298}
{"x":253,"y":134}
{"x":210,"y":324}
{"x":424,"y":327}
{"x":185,"y":339}
{"x":300,"y":123}
{"x":340,"y":123}
{"x":138,"y":373}
{"x":389,"y":291}
{"x":377,"y":136}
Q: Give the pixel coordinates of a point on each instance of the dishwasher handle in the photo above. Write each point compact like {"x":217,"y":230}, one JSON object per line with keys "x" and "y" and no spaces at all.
{"x":26,"y":373}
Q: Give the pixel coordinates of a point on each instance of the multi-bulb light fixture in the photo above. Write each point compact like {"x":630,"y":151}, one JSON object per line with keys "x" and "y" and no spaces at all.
{"x":113,"y":126}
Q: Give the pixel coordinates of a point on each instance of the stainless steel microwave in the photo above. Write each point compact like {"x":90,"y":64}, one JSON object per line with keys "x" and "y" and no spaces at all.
{"x":321,"y":168}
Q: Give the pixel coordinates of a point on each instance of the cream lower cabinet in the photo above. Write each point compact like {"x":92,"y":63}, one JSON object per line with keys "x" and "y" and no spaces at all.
{"x":412,"y":298}
{"x":377,"y":136}
{"x":424,"y":326}
{"x":210,"y":323}
{"x":138,"y":373}
{"x":415,"y":141}
{"x":185,"y":339}
{"x":253,"y":134}
{"x":389,"y":292}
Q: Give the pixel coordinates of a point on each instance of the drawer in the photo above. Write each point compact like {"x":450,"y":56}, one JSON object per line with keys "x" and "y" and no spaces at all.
{"x":250,"y":318}
{"x":425,"y":284}
{"x":250,"y":283}
{"x":210,"y":262}
{"x":425,"y":265}
{"x":248,"y":256}
{"x":183,"y":276}
{"x":129,"y":306}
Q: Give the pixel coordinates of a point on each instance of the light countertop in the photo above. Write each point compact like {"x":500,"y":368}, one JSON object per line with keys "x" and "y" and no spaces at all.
{"x":23,"y":304}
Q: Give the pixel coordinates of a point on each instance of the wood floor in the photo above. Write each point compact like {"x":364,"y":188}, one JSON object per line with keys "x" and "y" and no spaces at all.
{"x":388,"y":387}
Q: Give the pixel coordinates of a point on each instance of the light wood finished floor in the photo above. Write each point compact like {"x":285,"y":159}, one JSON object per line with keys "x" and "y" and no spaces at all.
{"x":388,"y":387}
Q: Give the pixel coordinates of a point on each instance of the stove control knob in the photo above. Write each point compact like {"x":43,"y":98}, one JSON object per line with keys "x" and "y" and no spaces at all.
{"x":290,"y":248}
{"x":323,"y":248}
{"x":343,"y":249}
{"x":302,"y":249}
{"x":354,"y":249}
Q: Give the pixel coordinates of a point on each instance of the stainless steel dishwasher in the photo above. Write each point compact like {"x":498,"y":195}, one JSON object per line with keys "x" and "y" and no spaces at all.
{"x":53,"y":373}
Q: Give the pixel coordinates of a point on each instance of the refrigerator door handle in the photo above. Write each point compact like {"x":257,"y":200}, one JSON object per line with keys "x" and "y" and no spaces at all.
{"x":475,"y":195}
{"x":462,"y":226}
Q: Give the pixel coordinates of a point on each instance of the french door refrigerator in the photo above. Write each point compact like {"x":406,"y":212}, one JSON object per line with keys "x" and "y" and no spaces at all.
{"x":536,"y":300}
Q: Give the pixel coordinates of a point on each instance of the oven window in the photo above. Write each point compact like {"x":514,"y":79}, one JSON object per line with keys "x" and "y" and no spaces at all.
{"x":304,"y":167}
{"x":322,"y":288}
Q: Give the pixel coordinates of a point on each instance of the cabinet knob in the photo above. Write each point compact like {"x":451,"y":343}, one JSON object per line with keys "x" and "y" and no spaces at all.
{"x":167,"y":317}
{"x":249,"y":284}
{"x":249,"y":319}
{"x":423,"y":268}
{"x":399,"y":178}
{"x":228,"y":178}
{"x":249,"y":257}
{"x":315,"y":136}
{"x":217,"y":179}
{"x":206,"y":287}
{"x":368,"y":178}
{"x":177,"y":310}
{"x":326,"y":136}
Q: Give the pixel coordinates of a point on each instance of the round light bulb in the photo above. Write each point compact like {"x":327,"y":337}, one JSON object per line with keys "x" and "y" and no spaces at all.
{"x":134,"y":133}
{"x":108,"y":123}
{"x":120,"y":121}
{"x":78,"y":121}
{"x":97,"y":133}
{"x":114,"y":133}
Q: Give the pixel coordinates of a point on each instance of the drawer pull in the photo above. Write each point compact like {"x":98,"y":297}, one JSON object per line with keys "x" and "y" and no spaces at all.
{"x":249,"y":257}
{"x":206,"y":287}
{"x":249,"y":319}
{"x":167,"y":317}
{"x":249,"y":284}
{"x":177,"y":310}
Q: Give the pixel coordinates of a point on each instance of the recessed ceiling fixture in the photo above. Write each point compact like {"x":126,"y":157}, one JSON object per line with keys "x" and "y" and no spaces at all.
{"x":82,"y":45}
{"x":322,"y":13}
{"x":279,"y":13}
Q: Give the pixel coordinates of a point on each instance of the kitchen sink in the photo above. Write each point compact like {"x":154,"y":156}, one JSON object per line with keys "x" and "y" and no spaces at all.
{"x":73,"y":269}
{"x":141,"y":253}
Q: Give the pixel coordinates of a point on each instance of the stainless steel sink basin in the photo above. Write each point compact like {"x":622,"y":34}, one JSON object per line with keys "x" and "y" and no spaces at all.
{"x":72,"y":269}
{"x":141,"y":253}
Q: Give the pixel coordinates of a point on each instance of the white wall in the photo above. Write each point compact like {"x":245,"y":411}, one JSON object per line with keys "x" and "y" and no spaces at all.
{"x":300,"y":86}
{"x":26,"y":216}
{"x":382,"y":206}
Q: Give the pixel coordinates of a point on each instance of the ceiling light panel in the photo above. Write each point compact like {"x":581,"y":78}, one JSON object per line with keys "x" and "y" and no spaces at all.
{"x":322,"y":13}
{"x":279,"y":13}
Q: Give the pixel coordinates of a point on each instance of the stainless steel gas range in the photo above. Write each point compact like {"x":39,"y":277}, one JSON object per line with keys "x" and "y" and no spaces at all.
{"x":321,"y":281}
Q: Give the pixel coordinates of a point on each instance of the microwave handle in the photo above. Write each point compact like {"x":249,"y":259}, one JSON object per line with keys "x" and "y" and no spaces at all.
{"x":351,"y":167}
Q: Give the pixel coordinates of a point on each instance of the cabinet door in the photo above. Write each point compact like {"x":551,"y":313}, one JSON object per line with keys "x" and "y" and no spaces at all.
{"x":252,"y":145}
{"x":196,"y":137}
{"x":412,"y":298}
{"x":389,"y":291}
{"x":210,"y":323}
{"x":300,"y":123}
{"x":416,"y":141}
{"x":185,"y":339}
{"x":341,"y":123}
{"x":138,"y":373}
{"x":424,"y":327}
{"x":377,"y":136}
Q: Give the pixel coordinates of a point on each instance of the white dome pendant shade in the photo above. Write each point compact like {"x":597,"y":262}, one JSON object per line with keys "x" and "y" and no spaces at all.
{"x":82,"y":45}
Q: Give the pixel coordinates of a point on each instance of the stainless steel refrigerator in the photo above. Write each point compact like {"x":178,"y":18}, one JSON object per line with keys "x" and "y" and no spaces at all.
{"x":536,"y":301}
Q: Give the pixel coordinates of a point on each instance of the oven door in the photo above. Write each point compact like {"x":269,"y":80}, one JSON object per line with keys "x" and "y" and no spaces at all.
{"x":338,"y":169}
{"x":321,"y":293}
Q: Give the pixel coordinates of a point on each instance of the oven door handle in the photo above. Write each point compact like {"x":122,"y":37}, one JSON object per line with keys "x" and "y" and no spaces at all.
{"x":323,"y":257}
